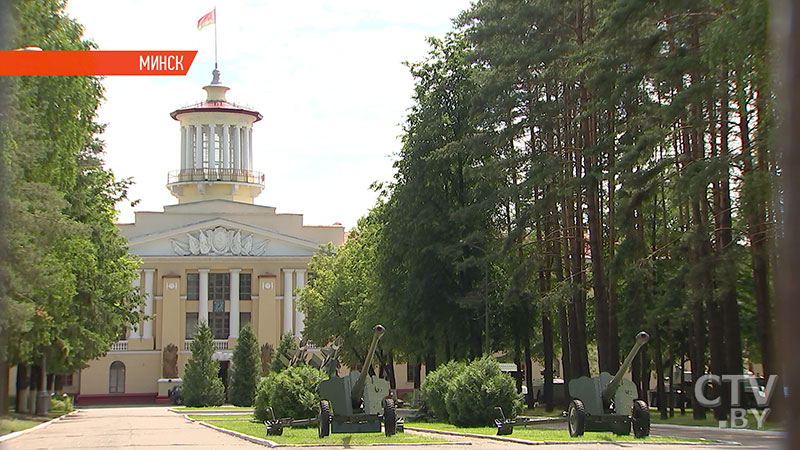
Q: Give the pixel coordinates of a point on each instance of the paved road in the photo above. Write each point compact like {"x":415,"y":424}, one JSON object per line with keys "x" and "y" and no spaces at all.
{"x":747,"y":438}
{"x":155,"y":428}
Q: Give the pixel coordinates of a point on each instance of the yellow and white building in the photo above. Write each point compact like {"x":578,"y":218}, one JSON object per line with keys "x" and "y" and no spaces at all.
{"x":213,"y":256}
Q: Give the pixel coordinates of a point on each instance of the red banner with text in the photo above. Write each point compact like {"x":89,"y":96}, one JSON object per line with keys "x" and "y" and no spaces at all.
{"x":97,"y":62}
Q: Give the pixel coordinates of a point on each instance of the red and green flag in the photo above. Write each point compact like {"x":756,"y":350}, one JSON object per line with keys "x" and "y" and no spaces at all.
{"x":208,"y":19}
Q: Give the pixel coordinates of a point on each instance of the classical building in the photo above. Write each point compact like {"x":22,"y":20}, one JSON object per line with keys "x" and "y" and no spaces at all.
{"x":214,"y":256}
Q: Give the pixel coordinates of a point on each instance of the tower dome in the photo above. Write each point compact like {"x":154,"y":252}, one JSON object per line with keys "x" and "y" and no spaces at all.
{"x":216,"y":150}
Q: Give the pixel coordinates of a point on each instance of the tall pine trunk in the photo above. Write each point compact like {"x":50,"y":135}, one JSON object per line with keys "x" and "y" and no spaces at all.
{"x":755,"y":214}
{"x":613,"y":333}
{"x":728,"y":294}
{"x":713,"y":302}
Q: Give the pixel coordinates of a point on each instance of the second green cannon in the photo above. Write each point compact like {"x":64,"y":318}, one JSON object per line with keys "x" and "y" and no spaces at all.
{"x":358,"y":402}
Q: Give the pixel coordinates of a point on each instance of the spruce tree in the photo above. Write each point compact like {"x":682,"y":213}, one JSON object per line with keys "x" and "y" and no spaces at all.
{"x":246,"y":369}
{"x":201,"y":383}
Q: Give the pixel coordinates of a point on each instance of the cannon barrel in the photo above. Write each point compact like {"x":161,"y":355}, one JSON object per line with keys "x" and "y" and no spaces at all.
{"x":358,"y":388}
{"x":611,"y":389}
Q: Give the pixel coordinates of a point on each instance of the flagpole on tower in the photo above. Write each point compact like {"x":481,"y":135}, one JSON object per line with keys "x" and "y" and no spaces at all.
{"x":215,"y":36}
{"x":208,"y":19}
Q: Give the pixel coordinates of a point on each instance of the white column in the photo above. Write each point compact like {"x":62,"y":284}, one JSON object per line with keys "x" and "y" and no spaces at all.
{"x":245,"y":150}
{"x":226,"y":148}
{"x":183,"y":148}
{"x":299,"y":316}
{"x":188,"y":149}
{"x":212,"y":151}
{"x":202,"y":304}
{"x":234,"y":325}
{"x":147,"y":328}
{"x":237,"y":147}
{"x":198,"y":146}
{"x":287,"y":300}
{"x":133,"y":332}
{"x":250,"y":148}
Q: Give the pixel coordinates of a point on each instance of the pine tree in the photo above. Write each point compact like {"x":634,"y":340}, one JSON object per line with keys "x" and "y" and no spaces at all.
{"x":246,"y":369}
{"x":201,"y":383}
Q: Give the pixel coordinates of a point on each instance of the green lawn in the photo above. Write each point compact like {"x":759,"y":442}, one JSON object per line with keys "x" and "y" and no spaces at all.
{"x":309,"y":435}
{"x":678,"y":419}
{"x":538,"y":434}
{"x":10,"y":424}
{"x":709,"y":421}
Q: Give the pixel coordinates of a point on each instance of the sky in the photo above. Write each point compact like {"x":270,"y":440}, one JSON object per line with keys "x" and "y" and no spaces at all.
{"x":328,"y":77}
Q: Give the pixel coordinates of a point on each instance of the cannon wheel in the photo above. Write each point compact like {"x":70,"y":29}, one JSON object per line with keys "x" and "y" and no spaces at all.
{"x":577,"y":418}
{"x":324,"y":419}
{"x":389,"y":417}
{"x":641,"y":419}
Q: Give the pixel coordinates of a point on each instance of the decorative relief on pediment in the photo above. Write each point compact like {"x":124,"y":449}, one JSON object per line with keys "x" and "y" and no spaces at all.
{"x":219,"y":241}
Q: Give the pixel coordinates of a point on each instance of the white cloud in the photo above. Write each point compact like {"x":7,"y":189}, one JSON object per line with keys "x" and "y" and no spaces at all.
{"x":327,"y":76}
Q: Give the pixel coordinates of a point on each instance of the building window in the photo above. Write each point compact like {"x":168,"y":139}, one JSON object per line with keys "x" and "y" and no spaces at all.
{"x":220,"y":323}
{"x":244,"y":286}
{"x":409,"y":371}
{"x":192,"y":286}
{"x":68,"y":380}
{"x":219,"y":286}
{"x":116,"y":378}
{"x":244,"y":319}
{"x":191,"y":325}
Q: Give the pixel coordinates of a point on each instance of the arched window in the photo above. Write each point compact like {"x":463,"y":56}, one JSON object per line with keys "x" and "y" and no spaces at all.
{"x":116,"y":378}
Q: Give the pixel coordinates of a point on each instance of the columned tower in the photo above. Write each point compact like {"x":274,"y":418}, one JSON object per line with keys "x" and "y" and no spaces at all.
{"x":216,"y":150}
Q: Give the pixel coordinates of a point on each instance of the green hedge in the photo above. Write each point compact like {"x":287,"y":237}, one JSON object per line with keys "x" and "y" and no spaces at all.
{"x":436,"y":386}
{"x":293,"y":393}
{"x":471,"y":393}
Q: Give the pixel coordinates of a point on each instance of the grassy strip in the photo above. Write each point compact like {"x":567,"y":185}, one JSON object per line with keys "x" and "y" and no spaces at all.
{"x":678,"y":419}
{"x":309,"y":435}
{"x":541,"y":434}
{"x":709,"y":421}
{"x":13,"y":423}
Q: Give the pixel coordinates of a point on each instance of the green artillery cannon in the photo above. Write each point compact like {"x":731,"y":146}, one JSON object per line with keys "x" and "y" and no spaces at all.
{"x":601,"y":403}
{"x":359,"y":401}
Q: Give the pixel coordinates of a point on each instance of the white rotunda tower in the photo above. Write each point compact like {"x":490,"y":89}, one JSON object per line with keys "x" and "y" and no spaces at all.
{"x":216,"y":150}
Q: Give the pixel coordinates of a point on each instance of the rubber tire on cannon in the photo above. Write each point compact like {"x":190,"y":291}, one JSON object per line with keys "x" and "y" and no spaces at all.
{"x":389,"y":417}
{"x":324,"y":418}
{"x":640,"y":416}
{"x":576,"y":418}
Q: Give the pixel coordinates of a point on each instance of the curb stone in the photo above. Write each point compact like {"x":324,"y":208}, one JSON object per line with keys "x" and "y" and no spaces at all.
{"x":37,"y":427}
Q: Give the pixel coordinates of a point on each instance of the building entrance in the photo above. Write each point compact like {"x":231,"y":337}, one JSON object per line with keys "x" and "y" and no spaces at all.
{"x":223,"y":373}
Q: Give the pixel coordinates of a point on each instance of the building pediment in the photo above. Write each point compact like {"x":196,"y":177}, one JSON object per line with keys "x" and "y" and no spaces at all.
{"x":220,"y":237}
{"x":220,"y":241}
